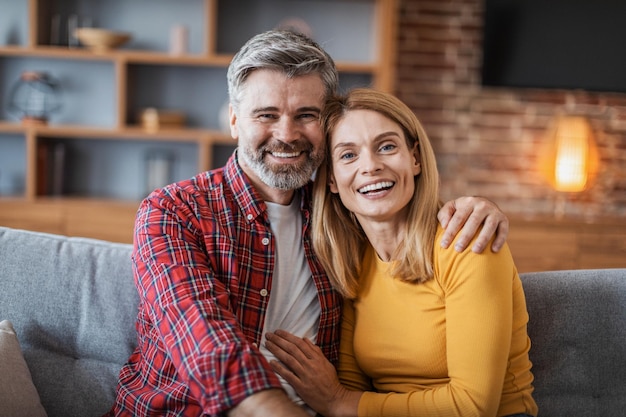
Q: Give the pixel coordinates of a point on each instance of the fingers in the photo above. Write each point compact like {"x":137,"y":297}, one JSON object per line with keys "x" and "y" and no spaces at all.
{"x":445,"y":214}
{"x":298,"y":360}
{"x":496,"y":223}
{"x":467,"y":233}
{"x":303,"y":365}
{"x":281,"y":347}
{"x":289,"y":358}
{"x":452,"y":217}
{"x":470,"y":214}
{"x":483,"y":238}
{"x":293,"y":351}
{"x":501,"y":235}
{"x":284,"y":371}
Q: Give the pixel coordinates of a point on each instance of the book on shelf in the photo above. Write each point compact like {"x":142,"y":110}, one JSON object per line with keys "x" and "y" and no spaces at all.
{"x":51,"y":161}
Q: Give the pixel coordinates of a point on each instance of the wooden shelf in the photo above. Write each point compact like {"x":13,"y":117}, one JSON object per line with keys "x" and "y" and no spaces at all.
{"x":130,"y":132}
{"x":122,"y":55}
{"x":54,"y":52}
{"x":95,"y":218}
{"x":149,"y":57}
{"x":104,"y":91}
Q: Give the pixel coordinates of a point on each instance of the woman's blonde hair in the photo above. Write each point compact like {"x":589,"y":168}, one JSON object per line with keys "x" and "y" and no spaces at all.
{"x":338,"y":238}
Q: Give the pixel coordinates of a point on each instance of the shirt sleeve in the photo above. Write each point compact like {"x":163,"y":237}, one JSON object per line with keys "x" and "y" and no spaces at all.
{"x":478,"y":320}
{"x":190,"y":310}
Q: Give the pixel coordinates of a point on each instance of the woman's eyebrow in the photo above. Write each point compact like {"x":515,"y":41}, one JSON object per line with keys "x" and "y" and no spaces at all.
{"x":343,"y":145}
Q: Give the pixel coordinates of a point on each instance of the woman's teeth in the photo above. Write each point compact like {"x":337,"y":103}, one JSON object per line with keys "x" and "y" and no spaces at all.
{"x":376,"y":187}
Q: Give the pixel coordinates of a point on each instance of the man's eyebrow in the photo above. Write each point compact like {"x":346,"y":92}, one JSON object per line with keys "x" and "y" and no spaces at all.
{"x":313,"y":109}
{"x":305,"y":109}
{"x":264,"y":109}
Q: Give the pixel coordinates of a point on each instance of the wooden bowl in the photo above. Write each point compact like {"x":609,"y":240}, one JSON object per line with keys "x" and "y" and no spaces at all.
{"x":101,"y":39}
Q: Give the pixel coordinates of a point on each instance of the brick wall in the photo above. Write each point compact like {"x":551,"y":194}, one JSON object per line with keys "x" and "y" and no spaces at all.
{"x":488,"y":140}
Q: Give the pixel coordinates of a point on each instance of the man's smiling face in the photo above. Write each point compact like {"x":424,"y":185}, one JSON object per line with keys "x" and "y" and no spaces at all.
{"x":277,"y":126}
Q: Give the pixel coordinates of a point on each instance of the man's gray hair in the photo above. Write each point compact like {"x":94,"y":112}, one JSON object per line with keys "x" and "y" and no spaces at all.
{"x":292,"y":53}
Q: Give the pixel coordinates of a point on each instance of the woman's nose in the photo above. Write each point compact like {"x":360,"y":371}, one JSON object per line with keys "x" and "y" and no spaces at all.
{"x":370,"y":164}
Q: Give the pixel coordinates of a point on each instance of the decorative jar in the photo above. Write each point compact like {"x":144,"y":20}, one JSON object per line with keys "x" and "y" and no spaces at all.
{"x":34,"y":97}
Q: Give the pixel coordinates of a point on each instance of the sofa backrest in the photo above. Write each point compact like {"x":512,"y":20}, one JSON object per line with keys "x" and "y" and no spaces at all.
{"x":73,"y":304}
{"x":578,"y":341}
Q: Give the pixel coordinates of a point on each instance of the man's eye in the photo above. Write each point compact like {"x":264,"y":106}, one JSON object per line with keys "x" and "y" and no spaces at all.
{"x":347,"y":155}
{"x":266,"y":116}
{"x":307,"y":116}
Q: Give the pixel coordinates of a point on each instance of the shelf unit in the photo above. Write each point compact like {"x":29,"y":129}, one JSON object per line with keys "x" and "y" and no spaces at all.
{"x":104,"y":148}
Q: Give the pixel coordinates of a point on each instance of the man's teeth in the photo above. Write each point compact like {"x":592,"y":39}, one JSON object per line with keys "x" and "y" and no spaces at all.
{"x":285,"y":154}
{"x":376,"y":187}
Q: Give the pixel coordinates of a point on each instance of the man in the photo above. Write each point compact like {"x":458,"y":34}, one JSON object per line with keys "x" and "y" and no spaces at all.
{"x":223,"y":257}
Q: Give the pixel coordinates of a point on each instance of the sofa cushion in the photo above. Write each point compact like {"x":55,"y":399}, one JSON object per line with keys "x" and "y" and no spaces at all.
{"x":73,"y":304}
{"x":18,"y":395}
{"x":578,"y":341}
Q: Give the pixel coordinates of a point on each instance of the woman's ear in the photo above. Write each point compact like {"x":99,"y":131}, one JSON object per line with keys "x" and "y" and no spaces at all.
{"x":417,"y":166}
{"x":332,"y":184}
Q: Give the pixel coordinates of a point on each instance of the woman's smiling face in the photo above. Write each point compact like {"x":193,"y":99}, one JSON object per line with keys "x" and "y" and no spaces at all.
{"x":373,"y":170}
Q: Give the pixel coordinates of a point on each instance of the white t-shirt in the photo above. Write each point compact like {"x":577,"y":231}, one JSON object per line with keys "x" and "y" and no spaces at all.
{"x":293,"y":304}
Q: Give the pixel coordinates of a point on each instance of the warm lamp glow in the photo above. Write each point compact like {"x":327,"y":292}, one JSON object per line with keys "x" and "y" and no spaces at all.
{"x":571,"y":154}
{"x":572,"y":150}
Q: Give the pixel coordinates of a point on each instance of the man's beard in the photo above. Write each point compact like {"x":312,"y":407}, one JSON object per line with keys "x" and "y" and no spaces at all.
{"x":282,"y":176}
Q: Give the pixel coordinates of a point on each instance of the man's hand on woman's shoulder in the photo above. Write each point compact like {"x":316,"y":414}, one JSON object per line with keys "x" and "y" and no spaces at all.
{"x":466,"y":215}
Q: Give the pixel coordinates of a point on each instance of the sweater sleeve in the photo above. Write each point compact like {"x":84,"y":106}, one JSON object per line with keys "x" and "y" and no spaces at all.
{"x":351,"y":375}
{"x":477,"y":292}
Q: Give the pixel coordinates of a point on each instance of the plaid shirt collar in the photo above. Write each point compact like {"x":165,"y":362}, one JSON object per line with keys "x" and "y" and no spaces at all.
{"x":248,"y":198}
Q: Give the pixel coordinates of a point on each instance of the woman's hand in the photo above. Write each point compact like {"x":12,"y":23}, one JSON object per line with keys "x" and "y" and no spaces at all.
{"x":304,"y":366}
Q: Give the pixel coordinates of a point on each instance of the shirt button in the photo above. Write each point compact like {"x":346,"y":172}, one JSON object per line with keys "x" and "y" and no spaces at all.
{"x":265,"y":241}
{"x":255,"y":345}
{"x":249,"y":216}
{"x":263,"y":292}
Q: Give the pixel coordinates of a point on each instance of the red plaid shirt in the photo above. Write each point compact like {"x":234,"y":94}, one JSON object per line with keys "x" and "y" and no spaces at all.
{"x":203,"y":260}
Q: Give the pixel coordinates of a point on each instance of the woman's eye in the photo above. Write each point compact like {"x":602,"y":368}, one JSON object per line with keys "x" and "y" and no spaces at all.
{"x":346,"y":155}
{"x":388,"y":147}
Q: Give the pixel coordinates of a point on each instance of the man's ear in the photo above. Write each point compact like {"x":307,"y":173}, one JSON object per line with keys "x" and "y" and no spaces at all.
{"x":417,"y":165}
{"x":232,"y":120}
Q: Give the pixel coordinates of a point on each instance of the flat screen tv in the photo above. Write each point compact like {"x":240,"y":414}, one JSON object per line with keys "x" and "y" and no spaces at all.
{"x":563,"y":44}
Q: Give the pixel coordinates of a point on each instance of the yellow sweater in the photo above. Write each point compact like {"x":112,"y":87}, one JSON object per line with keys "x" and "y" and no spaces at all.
{"x":454,"y":346}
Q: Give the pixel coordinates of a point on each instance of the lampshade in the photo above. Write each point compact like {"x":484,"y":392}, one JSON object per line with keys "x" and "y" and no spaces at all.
{"x":570,"y":156}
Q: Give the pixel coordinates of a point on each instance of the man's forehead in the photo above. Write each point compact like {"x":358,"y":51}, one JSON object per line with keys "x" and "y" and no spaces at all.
{"x":275,"y":79}
{"x":275,"y":91}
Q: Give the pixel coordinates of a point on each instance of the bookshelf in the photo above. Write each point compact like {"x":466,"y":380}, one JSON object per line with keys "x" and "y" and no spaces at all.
{"x":84,"y":172}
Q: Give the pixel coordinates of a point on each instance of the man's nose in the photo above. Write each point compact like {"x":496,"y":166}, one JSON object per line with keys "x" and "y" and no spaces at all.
{"x":286,"y":130}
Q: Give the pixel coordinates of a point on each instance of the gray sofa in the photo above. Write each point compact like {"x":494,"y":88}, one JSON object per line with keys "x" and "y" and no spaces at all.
{"x":73,"y":304}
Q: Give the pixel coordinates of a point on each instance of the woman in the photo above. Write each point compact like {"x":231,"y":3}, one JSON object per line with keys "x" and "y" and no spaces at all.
{"x":426,"y":331}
